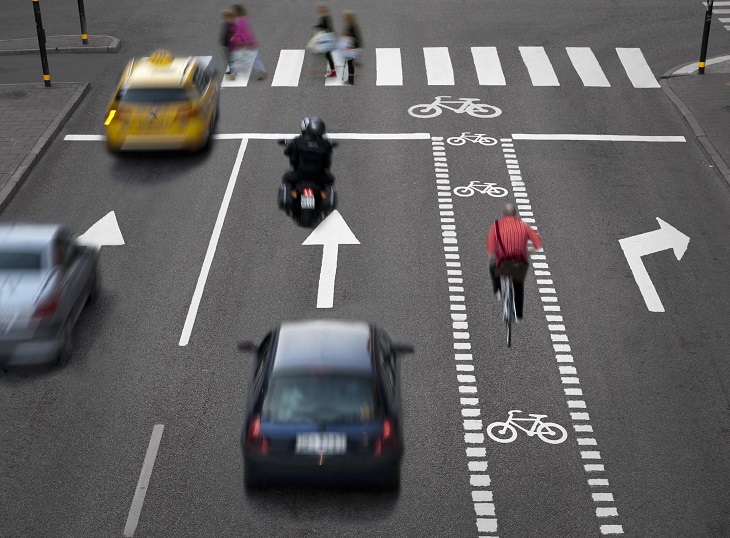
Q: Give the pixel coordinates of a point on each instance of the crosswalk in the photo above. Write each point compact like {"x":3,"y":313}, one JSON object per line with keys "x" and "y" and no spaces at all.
{"x":488,"y":68}
{"x":722,"y":11}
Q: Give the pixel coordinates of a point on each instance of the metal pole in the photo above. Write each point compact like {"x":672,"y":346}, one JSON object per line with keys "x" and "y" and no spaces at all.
{"x":42,"y":42}
{"x":82,"y":16}
{"x":705,"y":36}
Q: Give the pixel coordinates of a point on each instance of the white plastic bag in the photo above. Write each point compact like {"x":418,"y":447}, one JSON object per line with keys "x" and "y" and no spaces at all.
{"x":346,"y":49}
{"x":322,"y":43}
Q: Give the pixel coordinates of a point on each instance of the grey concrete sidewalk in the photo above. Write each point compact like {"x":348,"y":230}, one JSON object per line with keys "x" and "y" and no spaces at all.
{"x":704,"y":100}
{"x":60,"y":44}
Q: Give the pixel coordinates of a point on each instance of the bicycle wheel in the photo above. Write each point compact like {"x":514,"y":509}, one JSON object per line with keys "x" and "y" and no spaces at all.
{"x":506,"y":434}
{"x":509,"y":309}
{"x":425,"y":111}
{"x":497,"y":192}
{"x":552,"y":433}
{"x":487,"y":141}
{"x":463,"y":191}
{"x":456,"y":141}
{"x":481,"y":110}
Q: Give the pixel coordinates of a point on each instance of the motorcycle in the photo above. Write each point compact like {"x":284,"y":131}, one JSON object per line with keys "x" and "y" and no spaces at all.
{"x":307,"y":202}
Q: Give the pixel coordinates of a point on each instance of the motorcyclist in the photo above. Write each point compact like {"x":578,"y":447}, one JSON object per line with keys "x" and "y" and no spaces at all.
{"x":310,"y":158}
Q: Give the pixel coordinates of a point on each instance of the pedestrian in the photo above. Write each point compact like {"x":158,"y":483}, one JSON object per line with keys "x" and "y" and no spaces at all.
{"x":228,"y":17}
{"x":244,"y":45}
{"x":353,"y":42}
{"x":324,"y":24}
{"x":507,"y":253}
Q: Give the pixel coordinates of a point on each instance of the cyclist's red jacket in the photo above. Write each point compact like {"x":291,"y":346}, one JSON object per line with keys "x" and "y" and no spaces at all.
{"x":514,"y":235}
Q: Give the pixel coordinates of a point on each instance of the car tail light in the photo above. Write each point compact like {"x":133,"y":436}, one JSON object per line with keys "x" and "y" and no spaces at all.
{"x":255,"y":441}
{"x":47,"y":308}
{"x":388,"y":440}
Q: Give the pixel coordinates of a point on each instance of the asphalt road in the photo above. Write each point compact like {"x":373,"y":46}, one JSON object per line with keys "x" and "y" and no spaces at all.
{"x":654,"y":383}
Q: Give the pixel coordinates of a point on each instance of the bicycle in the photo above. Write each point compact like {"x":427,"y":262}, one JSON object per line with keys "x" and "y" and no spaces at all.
{"x":466,"y":104}
{"x":475,"y":138}
{"x":506,"y":432}
{"x":508,"y":305}
{"x":484,"y":188}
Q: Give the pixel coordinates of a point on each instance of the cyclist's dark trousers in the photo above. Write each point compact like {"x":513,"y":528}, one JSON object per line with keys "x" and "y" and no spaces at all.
{"x":518,"y":286}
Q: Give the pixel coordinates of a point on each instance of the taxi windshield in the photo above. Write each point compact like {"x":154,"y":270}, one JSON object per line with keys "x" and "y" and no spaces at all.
{"x":152,"y":95}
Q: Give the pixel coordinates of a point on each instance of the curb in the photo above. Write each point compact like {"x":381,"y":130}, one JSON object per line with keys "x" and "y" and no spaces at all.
{"x":720,"y":164}
{"x":24,"y":169}
{"x":113,"y":46}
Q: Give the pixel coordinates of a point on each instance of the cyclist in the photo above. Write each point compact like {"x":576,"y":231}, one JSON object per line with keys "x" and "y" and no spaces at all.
{"x":507,"y":251}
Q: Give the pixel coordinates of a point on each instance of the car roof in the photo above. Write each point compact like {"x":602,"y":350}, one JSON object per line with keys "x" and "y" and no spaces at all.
{"x":328,"y":344}
{"x":162,"y":70}
{"x":14,"y":234}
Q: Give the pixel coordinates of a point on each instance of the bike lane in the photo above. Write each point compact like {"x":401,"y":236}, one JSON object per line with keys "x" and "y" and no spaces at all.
{"x":536,"y":487}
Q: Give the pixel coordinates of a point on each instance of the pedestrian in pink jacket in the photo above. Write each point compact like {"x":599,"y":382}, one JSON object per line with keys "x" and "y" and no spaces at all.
{"x":243,"y":45}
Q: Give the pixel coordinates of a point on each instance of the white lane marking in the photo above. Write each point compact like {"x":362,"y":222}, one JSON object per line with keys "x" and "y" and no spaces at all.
{"x":105,"y":231}
{"x":340,"y":70}
{"x":389,"y":67}
{"x":569,"y":376}
{"x":331,"y":233}
{"x":475,"y":450}
{"x":636,"y":68}
{"x":289,"y":68}
{"x":724,"y":20}
{"x":207,"y":262}
{"x":279,"y":136}
{"x":587,"y":67}
{"x":598,"y":138}
{"x":488,"y":66}
{"x":438,"y":66}
{"x":143,"y":482}
{"x":538,"y":66}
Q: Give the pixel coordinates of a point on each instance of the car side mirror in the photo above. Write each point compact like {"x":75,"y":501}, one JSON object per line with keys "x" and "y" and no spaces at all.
{"x":401,"y":348}
{"x":247,"y":346}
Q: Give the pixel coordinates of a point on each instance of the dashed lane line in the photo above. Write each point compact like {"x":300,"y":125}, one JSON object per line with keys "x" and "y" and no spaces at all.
{"x":144,"y":480}
{"x":577,"y":407}
{"x":476,"y":452}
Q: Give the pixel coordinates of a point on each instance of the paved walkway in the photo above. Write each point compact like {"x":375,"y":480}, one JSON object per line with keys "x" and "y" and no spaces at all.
{"x":31,"y":115}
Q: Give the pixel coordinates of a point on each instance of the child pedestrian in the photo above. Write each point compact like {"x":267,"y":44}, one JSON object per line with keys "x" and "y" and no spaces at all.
{"x":244,"y":45}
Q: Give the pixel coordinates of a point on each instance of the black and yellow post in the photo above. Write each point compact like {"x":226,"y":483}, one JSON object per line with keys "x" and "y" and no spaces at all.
{"x":82,"y":16}
{"x":705,"y":37}
{"x":42,"y":42}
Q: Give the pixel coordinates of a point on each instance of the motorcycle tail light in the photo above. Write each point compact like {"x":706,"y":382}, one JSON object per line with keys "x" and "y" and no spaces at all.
{"x":255,"y":441}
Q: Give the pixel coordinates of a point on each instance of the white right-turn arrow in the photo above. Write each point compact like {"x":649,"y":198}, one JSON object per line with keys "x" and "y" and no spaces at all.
{"x":666,"y":237}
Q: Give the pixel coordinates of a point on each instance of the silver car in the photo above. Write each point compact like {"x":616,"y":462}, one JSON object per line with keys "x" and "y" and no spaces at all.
{"x":46,"y":279}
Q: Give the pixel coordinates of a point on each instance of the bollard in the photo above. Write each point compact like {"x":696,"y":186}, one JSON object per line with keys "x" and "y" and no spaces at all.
{"x":705,"y":37}
{"x":82,"y":16}
{"x":42,"y":42}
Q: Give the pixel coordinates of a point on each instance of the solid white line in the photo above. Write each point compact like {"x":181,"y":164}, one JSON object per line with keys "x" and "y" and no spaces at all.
{"x":587,"y":67}
{"x":438,"y":66}
{"x":84,"y":138}
{"x":288,"y":68}
{"x":389,"y":68}
{"x":489,"y":69}
{"x":538,"y":66}
{"x":278,"y":136}
{"x":636,"y":68}
{"x":198,"y":294}
{"x":598,"y":138}
{"x":143,"y":482}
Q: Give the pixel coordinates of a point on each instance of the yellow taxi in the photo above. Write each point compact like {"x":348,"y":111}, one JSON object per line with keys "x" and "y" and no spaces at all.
{"x":164,"y":102}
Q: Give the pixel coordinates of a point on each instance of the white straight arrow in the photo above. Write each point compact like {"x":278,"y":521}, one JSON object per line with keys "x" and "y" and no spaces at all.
{"x":331,"y":233}
{"x":105,"y":231}
{"x":635,"y":247}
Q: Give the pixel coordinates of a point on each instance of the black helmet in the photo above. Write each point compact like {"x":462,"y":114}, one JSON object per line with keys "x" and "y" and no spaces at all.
{"x":313,"y":126}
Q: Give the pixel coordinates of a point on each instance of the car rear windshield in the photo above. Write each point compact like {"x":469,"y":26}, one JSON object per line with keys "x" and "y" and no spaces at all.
{"x":153,"y":95}
{"x":320,"y":399}
{"x":18,"y":260}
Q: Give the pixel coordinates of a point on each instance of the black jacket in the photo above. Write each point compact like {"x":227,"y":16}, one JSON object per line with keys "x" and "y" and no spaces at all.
{"x":310,"y":158}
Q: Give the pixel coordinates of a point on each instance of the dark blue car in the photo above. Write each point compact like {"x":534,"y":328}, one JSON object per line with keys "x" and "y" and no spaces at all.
{"x":324,"y":405}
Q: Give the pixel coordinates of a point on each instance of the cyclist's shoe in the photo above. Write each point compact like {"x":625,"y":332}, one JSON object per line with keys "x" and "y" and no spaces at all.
{"x":498,"y":295}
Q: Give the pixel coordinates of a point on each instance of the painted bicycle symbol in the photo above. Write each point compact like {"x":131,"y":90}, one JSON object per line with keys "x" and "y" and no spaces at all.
{"x":476,"y":138}
{"x":484,"y":188}
{"x":506,"y":432}
{"x":461,"y":105}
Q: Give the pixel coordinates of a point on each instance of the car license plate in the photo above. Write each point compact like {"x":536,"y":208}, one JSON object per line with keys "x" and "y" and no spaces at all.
{"x":321,"y":443}
{"x":307,"y":202}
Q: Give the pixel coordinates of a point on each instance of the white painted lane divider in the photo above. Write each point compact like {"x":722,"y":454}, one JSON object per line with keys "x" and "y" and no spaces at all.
{"x":476,"y":453}
{"x":331,"y":233}
{"x":212,"y":245}
{"x":597,"y":138}
{"x":665,"y":238}
{"x":144,"y":481}
{"x":587,"y":444}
